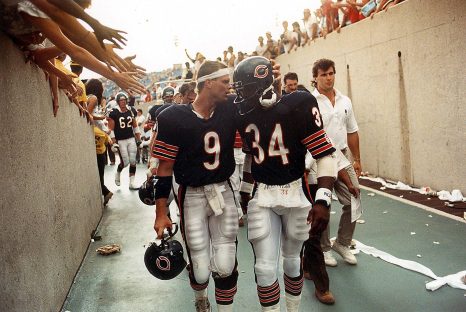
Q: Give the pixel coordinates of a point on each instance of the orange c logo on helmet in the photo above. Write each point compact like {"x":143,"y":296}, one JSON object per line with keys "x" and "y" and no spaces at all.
{"x":261,"y":71}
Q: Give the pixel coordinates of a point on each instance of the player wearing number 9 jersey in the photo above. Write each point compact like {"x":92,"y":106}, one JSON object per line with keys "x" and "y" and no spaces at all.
{"x":277,"y":134}
{"x":195,"y":142}
{"x":125,"y":132}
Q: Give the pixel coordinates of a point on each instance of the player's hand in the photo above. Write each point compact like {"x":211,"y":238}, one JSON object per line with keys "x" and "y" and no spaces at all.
{"x":161,"y":223}
{"x":354,"y":191}
{"x":357,"y":168}
{"x":318,"y":217}
{"x":244,"y":201}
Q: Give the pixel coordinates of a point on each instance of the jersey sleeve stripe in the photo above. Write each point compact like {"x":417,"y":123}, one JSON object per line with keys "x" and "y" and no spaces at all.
{"x":314,"y":144}
{"x":164,"y":151}
{"x":167,"y":146}
{"x":313,"y":136}
{"x":315,"y":153}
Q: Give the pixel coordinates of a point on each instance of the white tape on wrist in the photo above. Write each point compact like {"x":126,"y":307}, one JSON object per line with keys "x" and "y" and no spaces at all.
{"x":246,"y":187}
{"x":136,"y":130}
{"x":112,"y":134}
{"x":325,"y":195}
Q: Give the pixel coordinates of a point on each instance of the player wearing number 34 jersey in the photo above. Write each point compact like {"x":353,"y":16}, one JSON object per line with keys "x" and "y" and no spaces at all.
{"x":277,"y":134}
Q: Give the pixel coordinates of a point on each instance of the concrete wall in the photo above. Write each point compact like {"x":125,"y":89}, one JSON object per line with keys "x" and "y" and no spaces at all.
{"x":50,"y":190}
{"x":411,"y":109}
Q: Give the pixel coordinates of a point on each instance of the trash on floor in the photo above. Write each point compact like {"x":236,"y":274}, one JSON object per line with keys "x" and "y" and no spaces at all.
{"x":413,"y":233}
{"x":361,"y":221}
{"x":371,"y":194}
{"x":448,"y":204}
{"x":108,"y":249}
{"x":436,"y":243}
{"x":453,"y":280}
{"x":385,"y":211}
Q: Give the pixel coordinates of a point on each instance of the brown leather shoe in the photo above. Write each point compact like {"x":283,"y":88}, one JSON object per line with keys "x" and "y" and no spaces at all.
{"x":326,"y":297}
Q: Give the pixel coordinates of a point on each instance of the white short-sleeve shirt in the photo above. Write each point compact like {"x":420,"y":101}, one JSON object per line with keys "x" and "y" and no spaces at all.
{"x":338,"y":120}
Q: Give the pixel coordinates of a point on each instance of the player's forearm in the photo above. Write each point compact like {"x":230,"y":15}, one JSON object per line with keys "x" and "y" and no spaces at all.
{"x":353,"y":144}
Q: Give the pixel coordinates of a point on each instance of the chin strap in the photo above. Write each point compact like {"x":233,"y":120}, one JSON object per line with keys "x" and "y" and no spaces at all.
{"x":267,"y":103}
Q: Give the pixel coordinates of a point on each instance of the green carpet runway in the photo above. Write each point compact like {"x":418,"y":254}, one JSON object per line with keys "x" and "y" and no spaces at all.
{"x":120,"y":282}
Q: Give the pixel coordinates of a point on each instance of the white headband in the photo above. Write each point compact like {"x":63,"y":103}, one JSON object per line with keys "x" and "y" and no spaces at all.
{"x":217,"y":74}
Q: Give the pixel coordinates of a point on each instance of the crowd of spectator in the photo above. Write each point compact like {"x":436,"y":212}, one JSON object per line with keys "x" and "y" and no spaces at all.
{"x":332,"y":15}
{"x":48,"y":30}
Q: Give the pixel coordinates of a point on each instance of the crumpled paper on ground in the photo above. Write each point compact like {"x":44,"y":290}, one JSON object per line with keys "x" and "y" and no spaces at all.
{"x":454,"y":280}
{"x":454,"y":196}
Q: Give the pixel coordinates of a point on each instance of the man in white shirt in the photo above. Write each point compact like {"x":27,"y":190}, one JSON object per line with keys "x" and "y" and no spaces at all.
{"x":341,"y":126}
{"x":261,"y":47}
{"x":310,"y":26}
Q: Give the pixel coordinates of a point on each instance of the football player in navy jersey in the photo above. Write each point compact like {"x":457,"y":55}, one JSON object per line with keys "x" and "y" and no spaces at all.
{"x":277,"y":134}
{"x":195,"y":143}
{"x":125,"y":132}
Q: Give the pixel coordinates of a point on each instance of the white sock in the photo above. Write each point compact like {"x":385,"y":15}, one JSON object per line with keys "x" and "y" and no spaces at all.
{"x":198,"y":294}
{"x":292,"y":302}
{"x":225,"y":308}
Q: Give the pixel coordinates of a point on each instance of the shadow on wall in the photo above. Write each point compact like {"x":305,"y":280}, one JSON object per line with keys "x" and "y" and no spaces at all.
{"x":404,"y":122}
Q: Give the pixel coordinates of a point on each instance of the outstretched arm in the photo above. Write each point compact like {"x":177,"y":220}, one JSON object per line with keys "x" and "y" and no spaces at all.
{"x":101,"y":32}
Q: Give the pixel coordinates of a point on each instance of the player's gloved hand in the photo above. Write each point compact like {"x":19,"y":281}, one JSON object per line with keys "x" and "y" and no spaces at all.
{"x":161,"y":223}
{"x":318,"y":217}
{"x":245,"y":198}
{"x":139,"y":142}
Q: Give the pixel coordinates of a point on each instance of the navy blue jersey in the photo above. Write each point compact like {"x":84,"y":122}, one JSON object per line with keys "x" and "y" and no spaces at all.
{"x":123,"y":122}
{"x":279,"y":137}
{"x":201,"y":149}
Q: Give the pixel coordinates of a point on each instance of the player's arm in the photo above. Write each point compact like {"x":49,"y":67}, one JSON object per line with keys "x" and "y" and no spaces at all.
{"x":321,"y":148}
{"x":163,"y":185}
{"x":353,"y":144}
{"x":111,"y":127}
{"x":247,"y":183}
{"x":137,"y":132}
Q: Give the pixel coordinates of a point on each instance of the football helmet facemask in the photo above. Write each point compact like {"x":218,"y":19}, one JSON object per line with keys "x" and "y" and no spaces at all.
{"x":253,"y":83}
{"x":165,"y":261}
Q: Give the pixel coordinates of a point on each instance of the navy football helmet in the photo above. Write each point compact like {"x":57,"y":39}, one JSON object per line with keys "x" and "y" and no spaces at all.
{"x":121,"y":96}
{"x":146,"y":192}
{"x":165,"y":261}
{"x":253,"y":82}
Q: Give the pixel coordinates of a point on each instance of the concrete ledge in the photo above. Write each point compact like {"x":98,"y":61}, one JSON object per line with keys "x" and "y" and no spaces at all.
{"x":410,"y":109}
{"x":50,"y":188}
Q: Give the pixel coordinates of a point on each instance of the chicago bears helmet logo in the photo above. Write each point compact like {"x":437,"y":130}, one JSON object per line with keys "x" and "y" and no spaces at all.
{"x":163,"y":263}
{"x":261,"y":71}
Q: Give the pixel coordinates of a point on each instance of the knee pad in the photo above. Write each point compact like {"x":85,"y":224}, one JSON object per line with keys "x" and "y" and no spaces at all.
{"x":258,"y":222}
{"x":292,"y":266}
{"x":200,"y":268}
{"x":224,"y":259}
{"x":266,"y":272}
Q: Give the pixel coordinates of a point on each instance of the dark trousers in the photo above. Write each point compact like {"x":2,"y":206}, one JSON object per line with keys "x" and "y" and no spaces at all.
{"x":101,"y":162}
{"x":313,"y":257}
{"x":111,"y":155}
